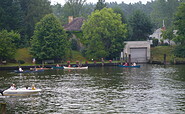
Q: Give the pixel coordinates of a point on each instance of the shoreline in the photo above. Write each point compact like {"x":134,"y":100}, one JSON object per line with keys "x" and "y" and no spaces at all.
{"x":50,"y":66}
{"x":89,"y":65}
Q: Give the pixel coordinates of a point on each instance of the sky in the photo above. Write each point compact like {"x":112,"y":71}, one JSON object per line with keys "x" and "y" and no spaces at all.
{"x":95,"y":1}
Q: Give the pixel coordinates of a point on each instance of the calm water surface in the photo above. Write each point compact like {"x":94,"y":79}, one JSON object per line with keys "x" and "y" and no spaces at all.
{"x":150,"y":89}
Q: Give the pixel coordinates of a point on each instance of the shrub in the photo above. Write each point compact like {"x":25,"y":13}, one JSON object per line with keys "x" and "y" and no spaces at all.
{"x":155,"y":42}
{"x":21,"y":61}
{"x":179,"y":51}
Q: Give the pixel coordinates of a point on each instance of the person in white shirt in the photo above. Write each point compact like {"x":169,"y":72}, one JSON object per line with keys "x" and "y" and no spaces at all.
{"x":134,"y":64}
{"x":13,"y":87}
{"x":20,"y":69}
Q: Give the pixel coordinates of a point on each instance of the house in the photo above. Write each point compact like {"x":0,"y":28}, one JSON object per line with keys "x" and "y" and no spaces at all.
{"x":139,"y":51}
{"x":158,"y":35}
{"x":74,"y":26}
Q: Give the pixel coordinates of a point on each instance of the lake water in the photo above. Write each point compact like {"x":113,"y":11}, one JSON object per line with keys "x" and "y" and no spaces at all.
{"x":154,"y":89}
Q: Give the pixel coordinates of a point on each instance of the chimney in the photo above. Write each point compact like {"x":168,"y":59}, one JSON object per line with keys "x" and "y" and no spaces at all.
{"x":164,"y":27}
{"x":70,"y":19}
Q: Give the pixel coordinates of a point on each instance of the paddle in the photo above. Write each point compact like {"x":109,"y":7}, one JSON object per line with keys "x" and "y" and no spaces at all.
{"x":1,"y":91}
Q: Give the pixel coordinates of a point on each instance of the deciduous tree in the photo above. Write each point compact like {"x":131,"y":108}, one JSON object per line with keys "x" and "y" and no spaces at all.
{"x":180,"y":24}
{"x":49,"y":40}
{"x":73,"y":7}
{"x":100,"y":5}
{"x":7,"y":44}
{"x":104,"y":34}
{"x":140,"y":26}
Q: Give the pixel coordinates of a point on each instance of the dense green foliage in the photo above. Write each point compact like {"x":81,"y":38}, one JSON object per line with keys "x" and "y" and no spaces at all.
{"x":10,"y":15}
{"x":180,"y":24}
{"x":164,"y":10}
{"x":49,"y":40}
{"x":73,"y":7}
{"x":179,"y":51}
{"x":119,"y":11}
{"x":100,"y":5}
{"x":180,"y":27}
{"x":140,"y":26}
{"x":155,"y":42}
{"x":7,"y":44}
{"x":104,"y":34}
{"x":168,"y":34}
{"x":22,"y":15}
{"x":34,"y":10}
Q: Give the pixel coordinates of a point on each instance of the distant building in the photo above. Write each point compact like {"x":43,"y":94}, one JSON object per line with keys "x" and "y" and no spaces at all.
{"x":138,"y":50}
{"x":157,"y":35}
{"x":74,"y":26}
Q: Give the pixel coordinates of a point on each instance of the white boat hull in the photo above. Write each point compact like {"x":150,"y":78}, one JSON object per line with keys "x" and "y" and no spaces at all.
{"x":20,"y":92}
{"x":75,"y":67}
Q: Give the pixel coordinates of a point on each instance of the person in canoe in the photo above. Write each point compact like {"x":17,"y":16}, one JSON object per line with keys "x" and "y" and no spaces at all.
{"x":20,"y":69}
{"x":12,"y":87}
{"x":33,"y":87}
{"x":126,"y":64}
{"x":134,"y":64}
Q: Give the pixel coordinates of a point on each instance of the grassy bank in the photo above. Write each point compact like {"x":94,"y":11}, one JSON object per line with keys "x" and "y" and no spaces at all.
{"x":157,"y":54}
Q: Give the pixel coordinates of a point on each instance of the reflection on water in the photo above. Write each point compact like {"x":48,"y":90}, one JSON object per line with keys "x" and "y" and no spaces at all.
{"x":149,"y":89}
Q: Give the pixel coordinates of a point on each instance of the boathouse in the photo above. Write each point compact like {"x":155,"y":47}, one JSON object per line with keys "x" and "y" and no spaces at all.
{"x":139,"y":51}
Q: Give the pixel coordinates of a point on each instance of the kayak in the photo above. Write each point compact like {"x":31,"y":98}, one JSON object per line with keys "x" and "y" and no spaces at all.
{"x":137,"y":66}
{"x":20,"y":92}
{"x":75,"y":67}
{"x":28,"y":71}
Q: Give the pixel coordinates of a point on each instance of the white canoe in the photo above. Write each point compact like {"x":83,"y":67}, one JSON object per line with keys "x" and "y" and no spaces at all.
{"x":75,"y":67}
{"x":20,"y":92}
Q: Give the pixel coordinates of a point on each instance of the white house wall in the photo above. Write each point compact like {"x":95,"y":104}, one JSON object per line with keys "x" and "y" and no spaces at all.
{"x":157,"y":34}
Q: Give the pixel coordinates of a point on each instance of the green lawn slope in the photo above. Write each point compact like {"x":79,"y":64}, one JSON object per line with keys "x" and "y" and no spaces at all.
{"x":157,"y":54}
{"x":23,"y":55}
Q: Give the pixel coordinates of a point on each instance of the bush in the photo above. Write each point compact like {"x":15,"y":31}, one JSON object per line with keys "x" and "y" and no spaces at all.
{"x":179,"y":51}
{"x":74,"y":44}
{"x":155,"y":42}
{"x":21,"y":61}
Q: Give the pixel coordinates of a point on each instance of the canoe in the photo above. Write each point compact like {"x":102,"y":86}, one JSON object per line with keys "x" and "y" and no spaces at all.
{"x":137,"y":66}
{"x":55,"y":67}
{"x":75,"y":67}
{"x":20,"y":92}
{"x":28,"y":71}
{"x":40,"y":68}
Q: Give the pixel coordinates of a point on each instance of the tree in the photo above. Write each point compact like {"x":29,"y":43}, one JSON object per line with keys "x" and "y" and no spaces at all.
{"x":140,"y":26}
{"x":119,"y":11}
{"x":73,"y":7}
{"x":104,"y":34}
{"x":180,"y":23}
{"x":33,"y":10}
{"x":7,"y":45}
{"x":100,"y":5}
{"x":49,"y":40}
{"x":11,"y":15}
{"x":168,"y":34}
{"x":164,"y":10}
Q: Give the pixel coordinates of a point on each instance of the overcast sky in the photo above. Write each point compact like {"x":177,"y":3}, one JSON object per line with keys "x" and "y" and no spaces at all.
{"x":95,"y":1}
